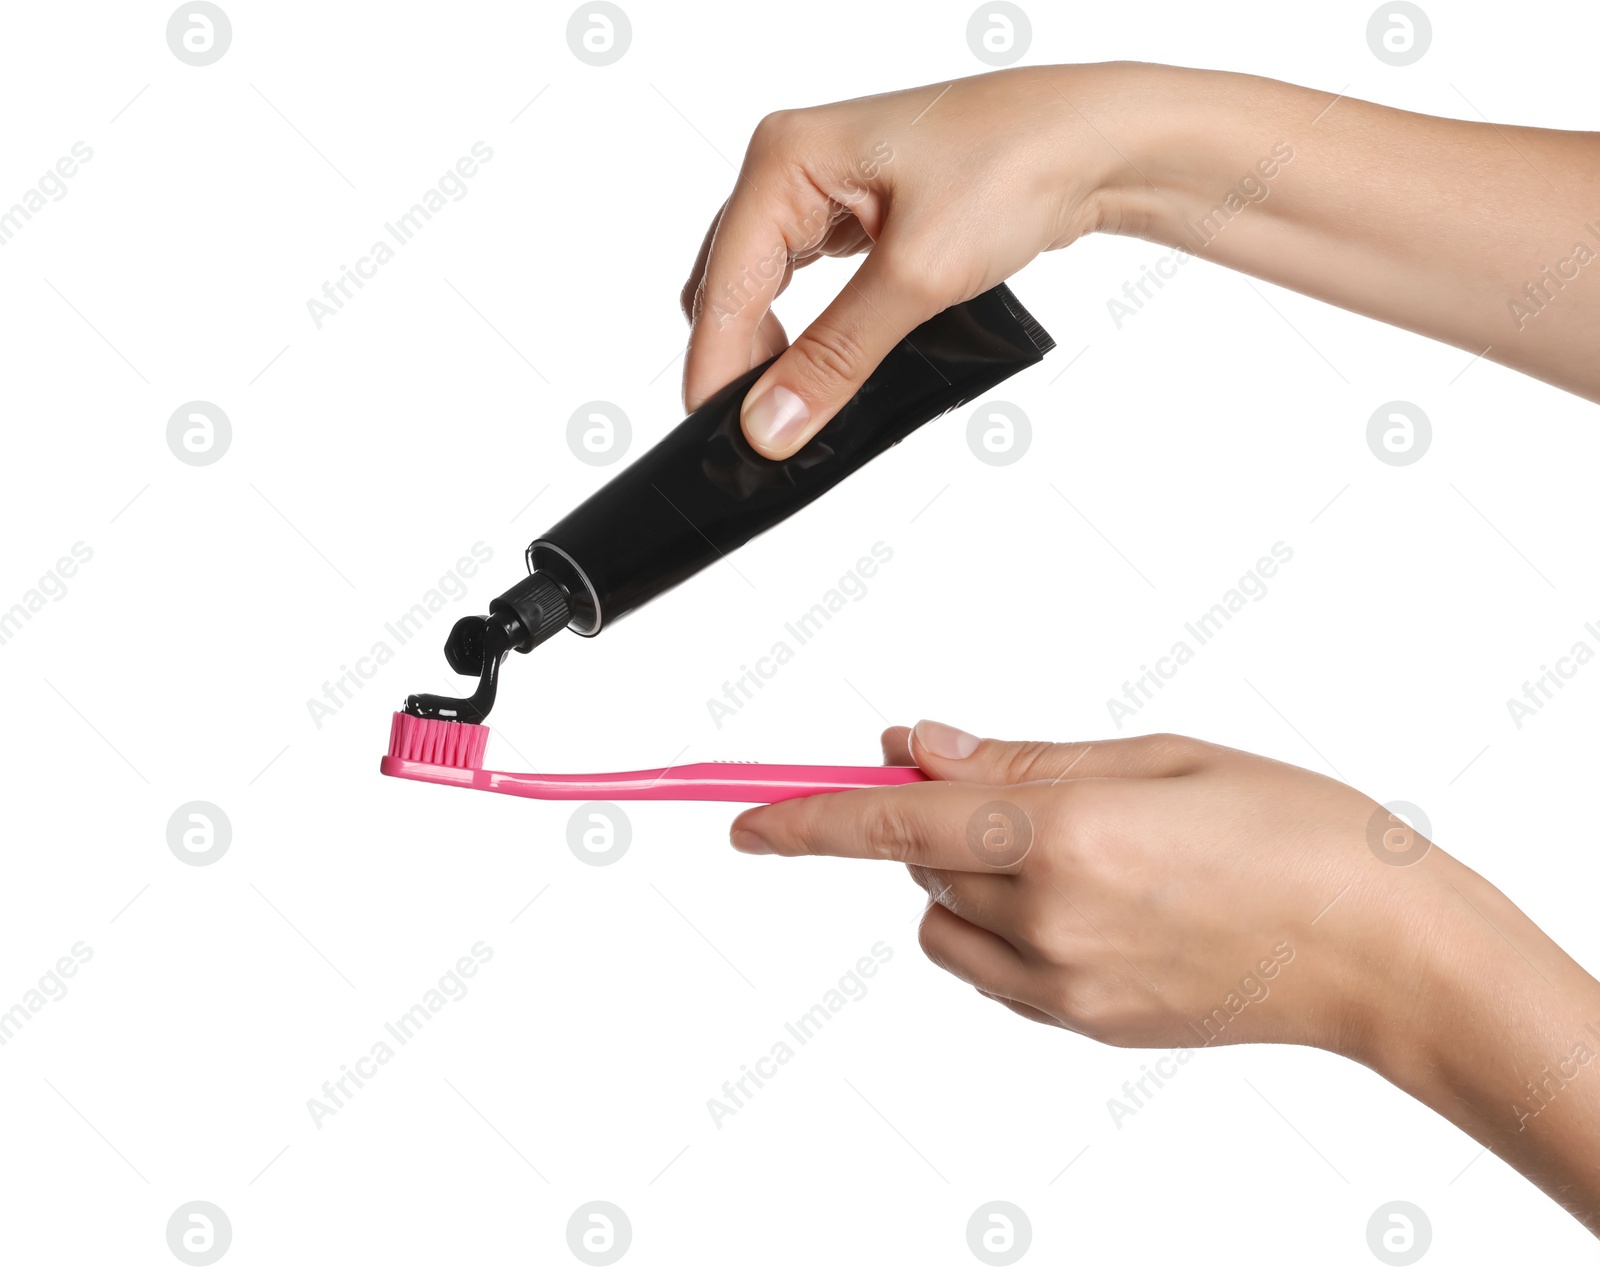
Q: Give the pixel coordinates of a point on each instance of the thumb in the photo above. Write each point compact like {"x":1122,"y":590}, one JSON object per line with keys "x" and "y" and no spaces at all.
{"x":830,"y":360}
{"x":945,"y":752}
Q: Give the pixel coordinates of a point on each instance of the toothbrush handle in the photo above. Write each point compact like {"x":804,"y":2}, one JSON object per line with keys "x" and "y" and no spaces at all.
{"x":755,"y":783}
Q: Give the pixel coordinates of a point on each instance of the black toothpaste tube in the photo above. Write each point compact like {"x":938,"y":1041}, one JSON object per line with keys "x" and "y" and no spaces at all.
{"x":702,"y":491}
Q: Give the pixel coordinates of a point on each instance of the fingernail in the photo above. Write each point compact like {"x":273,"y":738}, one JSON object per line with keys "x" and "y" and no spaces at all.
{"x":748,"y":842}
{"x":944,"y":741}
{"x":776,"y":417}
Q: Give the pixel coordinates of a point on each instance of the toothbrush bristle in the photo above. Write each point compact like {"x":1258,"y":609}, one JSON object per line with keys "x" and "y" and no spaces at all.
{"x":438,"y":742}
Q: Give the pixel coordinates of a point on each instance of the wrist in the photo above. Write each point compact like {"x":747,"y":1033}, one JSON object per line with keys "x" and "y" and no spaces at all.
{"x":1429,"y":973}
{"x":1183,"y":153}
{"x":1480,"y":1013}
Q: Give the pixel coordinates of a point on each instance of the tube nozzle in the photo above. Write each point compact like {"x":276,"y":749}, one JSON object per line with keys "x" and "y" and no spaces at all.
{"x":524,"y":616}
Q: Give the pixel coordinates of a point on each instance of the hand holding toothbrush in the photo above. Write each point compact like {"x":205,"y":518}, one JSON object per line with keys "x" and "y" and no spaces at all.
{"x":1162,"y":892}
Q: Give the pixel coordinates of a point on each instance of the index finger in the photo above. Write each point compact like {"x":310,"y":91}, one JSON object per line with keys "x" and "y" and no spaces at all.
{"x":946,"y":826}
{"x":690,"y":296}
{"x":770,"y":217}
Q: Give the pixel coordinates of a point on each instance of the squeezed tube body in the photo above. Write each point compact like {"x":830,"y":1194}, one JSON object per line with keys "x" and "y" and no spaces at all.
{"x":703,"y":492}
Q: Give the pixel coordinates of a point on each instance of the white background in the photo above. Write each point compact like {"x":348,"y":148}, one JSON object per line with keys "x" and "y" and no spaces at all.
{"x":219,"y":599}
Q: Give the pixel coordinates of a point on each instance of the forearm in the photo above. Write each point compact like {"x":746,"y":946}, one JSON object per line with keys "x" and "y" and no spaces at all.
{"x":1483,"y":1018}
{"x":1482,"y":235}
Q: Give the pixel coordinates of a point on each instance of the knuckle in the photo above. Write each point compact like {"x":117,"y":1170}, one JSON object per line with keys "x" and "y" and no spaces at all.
{"x":1084,"y":1005}
{"x":804,"y":829}
{"x":885,"y":832}
{"x":927,"y":272}
{"x":828,"y":358}
{"x":1036,"y":927}
{"x":1168,"y":751}
{"x":773,"y":156}
{"x":1001,"y":835}
{"x":689,"y":298}
{"x":1093,"y":1018}
{"x":1063,"y":998}
{"x":1050,"y":926}
{"x":1030,"y":759}
{"x":1077,"y":822}
{"x":773,"y":129}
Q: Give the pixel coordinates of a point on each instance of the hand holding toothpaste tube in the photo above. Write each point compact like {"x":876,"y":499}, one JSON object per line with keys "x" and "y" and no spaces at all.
{"x":1470,"y":232}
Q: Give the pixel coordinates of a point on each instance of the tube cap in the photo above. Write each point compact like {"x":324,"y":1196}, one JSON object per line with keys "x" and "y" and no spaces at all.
{"x":540,"y":605}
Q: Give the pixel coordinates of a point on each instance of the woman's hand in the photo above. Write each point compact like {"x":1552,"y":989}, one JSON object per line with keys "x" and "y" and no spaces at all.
{"x":1470,"y":232}
{"x":1164,"y":892}
{"x":953,"y":187}
{"x":1133,"y":890}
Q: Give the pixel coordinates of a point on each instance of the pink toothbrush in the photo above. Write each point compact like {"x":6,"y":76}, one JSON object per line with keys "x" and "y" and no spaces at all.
{"x":435,"y":751}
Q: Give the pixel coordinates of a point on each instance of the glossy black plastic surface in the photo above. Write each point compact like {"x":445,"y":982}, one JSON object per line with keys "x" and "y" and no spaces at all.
{"x":702,"y":492}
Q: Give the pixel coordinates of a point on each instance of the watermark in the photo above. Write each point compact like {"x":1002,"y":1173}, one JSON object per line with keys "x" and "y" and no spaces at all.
{"x":1398,"y":832}
{"x":199,"y":33}
{"x":1544,"y":1087}
{"x":850,"y":588}
{"x":598,"y":433}
{"x":599,"y":833}
{"x":52,"y":186}
{"x":51,"y":587}
{"x":1137,"y":293}
{"x":738,"y":1091}
{"x":1251,"y":588}
{"x":1248,"y":191}
{"x":199,"y":833}
{"x":1253,"y":988}
{"x":599,"y":33}
{"x":599,"y":1233}
{"x":198,"y":433}
{"x":1541,"y":292}
{"x":999,"y":433}
{"x":450,"y":588}
{"x":1399,"y":33}
{"x":1137,"y":1093}
{"x":1398,"y":433}
{"x":402,"y":231}
{"x":999,"y":1233}
{"x":998,"y":33}
{"x":51,"y":988}
{"x":999,"y":834}
{"x":1399,"y":1233}
{"x":199,"y":1233}
{"x":1542,"y":690}
{"x":450,"y":988}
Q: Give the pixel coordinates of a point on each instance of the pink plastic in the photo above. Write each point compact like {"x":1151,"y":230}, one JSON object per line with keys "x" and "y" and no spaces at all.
{"x":437,"y":742}
{"x":424,"y":750}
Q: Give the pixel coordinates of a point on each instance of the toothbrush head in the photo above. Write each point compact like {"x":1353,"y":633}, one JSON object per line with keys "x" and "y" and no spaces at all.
{"x":437,"y":742}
